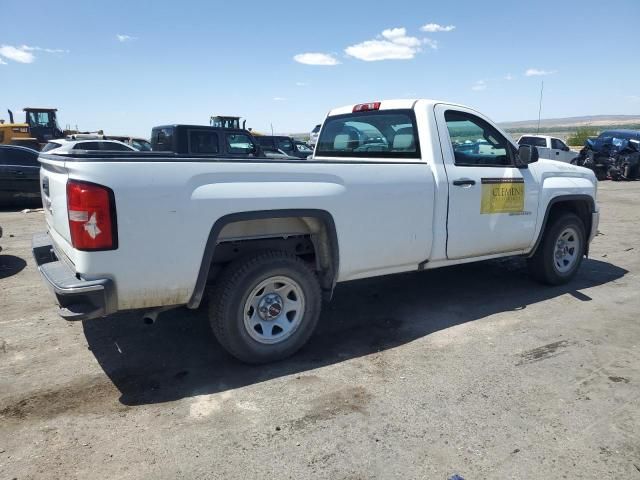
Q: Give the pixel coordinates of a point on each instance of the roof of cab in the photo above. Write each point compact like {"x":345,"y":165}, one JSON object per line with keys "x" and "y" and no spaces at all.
{"x":393,"y":104}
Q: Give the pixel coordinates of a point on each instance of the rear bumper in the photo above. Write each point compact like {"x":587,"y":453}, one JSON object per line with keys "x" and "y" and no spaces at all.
{"x":78,"y":299}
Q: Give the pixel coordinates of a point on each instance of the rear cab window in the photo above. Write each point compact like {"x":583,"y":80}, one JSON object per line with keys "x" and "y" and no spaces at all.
{"x":533,"y":141}
{"x":370,"y":134}
{"x":163,"y":139}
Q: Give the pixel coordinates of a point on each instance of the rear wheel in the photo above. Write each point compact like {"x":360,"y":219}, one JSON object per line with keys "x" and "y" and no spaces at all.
{"x":560,"y":252}
{"x":265,"y":306}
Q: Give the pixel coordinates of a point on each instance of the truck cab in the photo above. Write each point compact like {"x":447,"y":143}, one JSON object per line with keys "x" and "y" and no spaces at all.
{"x":43,"y":123}
{"x":551,"y":148}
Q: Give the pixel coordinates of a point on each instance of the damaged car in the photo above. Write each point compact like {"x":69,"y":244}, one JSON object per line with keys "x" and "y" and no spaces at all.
{"x":614,"y":155}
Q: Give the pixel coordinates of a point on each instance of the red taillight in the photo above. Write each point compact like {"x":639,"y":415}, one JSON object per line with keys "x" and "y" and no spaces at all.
{"x":364,"y":107}
{"x":91,"y":212}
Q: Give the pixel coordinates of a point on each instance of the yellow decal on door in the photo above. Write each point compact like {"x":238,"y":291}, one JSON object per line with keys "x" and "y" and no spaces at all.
{"x":502,"y":195}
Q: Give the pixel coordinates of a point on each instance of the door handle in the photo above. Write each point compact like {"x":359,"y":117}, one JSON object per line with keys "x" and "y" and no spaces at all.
{"x":464,"y":181}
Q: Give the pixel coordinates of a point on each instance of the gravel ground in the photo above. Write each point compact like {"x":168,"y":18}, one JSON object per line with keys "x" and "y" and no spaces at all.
{"x":474,"y":370}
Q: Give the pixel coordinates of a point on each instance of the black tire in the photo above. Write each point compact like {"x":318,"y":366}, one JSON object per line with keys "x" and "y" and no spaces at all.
{"x":542,"y":265}
{"x":229,"y":297}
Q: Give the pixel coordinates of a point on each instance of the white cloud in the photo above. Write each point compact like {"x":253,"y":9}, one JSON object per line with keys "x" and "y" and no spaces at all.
{"x":399,"y":36}
{"x":434,"y":27}
{"x":534,"y":72}
{"x":39,"y":49}
{"x":301,"y":84}
{"x":125,"y":38}
{"x":279,"y":99}
{"x":432,"y":44}
{"x":508,"y":77}
{"x":17,"y":54}
{"x":324,"y":59}
{"x":24,"y":53}
{"x":479,"y":86}
{"x":394,"y":44}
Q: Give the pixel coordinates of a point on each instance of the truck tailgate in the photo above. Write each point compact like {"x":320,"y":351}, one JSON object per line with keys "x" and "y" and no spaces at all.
{"x":53,"y":184}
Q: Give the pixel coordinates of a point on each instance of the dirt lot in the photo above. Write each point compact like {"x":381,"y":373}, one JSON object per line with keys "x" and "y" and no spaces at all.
{"x":474,"y":370}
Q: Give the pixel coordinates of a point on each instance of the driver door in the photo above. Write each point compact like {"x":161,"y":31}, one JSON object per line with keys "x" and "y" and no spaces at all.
{"x":560,"y":151}
{"x":492,"y":204}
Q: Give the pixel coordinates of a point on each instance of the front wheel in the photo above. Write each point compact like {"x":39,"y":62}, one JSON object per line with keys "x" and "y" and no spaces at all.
{"x":265,"y":306}
{"x":560,"y":253}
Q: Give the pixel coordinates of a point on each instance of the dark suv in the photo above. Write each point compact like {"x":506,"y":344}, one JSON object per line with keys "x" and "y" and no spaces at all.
{"x":204,"y":140}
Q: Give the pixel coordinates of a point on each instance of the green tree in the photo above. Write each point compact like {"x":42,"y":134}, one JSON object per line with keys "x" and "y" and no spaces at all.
{"x":581,"y":134}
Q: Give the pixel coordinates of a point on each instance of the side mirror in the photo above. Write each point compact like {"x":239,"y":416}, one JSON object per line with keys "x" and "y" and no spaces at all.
{"x":526,"y":154}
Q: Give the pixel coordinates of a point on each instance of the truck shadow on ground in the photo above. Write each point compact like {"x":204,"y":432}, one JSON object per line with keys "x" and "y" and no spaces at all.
{"x":11,"y":265}
{"x":178,"y":356}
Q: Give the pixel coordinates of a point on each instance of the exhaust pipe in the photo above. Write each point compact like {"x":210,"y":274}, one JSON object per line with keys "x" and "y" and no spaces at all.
{"x":150,"y":316}
{"x":10,"y":116}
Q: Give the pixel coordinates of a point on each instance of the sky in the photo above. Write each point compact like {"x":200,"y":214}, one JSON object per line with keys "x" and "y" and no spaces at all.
{"x":126,"y":66}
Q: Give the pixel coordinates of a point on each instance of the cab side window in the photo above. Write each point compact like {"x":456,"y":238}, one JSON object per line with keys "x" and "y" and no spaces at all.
{"x":201,"y":141}
{"x":22,"y":158}
{"x":476,"y":143}
{"x":558,"y":144}
{"x":285,"y":144}
{"x":87,"y":146}
{"x":113,"y":147}
{"x":239,"y":143}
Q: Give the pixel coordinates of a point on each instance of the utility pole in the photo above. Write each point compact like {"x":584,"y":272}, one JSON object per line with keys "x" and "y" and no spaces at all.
{"x":540,"y":106}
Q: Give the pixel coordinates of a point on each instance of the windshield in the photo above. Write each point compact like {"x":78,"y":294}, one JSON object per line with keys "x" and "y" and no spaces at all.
{"x":40,"y":119}
{"x":50,"y":146}
{"x":141,"y":145}
{"x":380,"y":134}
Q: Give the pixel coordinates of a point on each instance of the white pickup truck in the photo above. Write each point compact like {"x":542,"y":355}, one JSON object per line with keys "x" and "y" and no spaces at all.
{"x":393,"y":186}
{"x":550,"y":148}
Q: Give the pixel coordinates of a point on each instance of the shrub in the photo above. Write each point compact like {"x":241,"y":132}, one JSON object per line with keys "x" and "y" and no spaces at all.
{"x":581,"y":135}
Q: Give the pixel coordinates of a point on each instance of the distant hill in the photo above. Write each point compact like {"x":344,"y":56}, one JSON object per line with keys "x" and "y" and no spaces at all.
{"x":566,"y":127}
{"x":574,"y":122}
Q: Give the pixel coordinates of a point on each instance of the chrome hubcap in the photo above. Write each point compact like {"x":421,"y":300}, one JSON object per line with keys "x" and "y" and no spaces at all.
{"x":566,"y":251}
{"x":274,"y":310}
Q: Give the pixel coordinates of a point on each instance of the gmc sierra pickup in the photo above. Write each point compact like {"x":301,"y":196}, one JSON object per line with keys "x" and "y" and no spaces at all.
{"x":393,"y":186}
